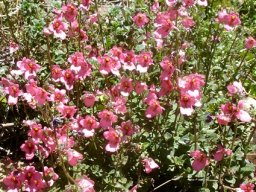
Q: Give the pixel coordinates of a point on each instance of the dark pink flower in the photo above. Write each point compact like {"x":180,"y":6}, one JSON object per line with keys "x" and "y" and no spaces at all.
{"x":36,"y":132}
{"x":188,"y":23}
{"x":13,"y":181}
{"x":247,"y":187}
{"x":128,"y":60}
{"x":68,"y":78}
{"x":188,"y":3}
{"x":69,"y":12}
{"x":221,"y":152}
{"x":50,"y":175}
{"x":29,"y":148}
{"x":13,"y":47}
{"x":200,"y":160}
{"x":59,"y":96}
{"x":56,"y":72}
{"x":140,"y":19}
{"x":140,"y":87}
{"x":88,"y":125}
{"x":144,"y":60}
{"x":236,"y":88}
{"x":127,"y":128}
{"x":149,"y":165}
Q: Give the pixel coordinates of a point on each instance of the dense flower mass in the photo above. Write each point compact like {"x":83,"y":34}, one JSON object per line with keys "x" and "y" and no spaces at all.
{"x":129,"y":96}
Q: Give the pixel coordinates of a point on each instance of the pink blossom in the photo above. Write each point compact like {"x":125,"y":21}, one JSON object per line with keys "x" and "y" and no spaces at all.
{"x":66,"y":111}
{"x":85,"y":4}
{"x":113,"y":140}
{"x":107,"y":118}
{"x":128,"y":60}
{"x":13,"y":181}
{"x":50,"y":175}
{"x":140,"y":19}
{"x":89,"y":99}
{"x":144,"y":60}
{"x":36,"y":132}
{"x":250,"y":43}
{"x":14,"y":92}
{"x":108,"y":64}
{"x":166,"y":87}
{"x":202,"y":3}
{"x":140,"y":87}
{"x":29,"y":148}
{"x":150,"y":97}
{"x":13,"y":47}
{"x":28,"y":67}
{"x":188,"y":22}
{"x":155,"y":6}
{"x":221,"y":152}
{"x":191,"y":82}
{"x":127,"y":128}
{"x":230,"y":20}
{"x":200,"y":160}
{"x":247,"y":187}
{"x":118,"y":105}
{"x":187,"y":102}
{"x":223,"y":119}
{"x":74,"y":157}
{"x":85,"y":184}
{"x":88,"y":124}
{"x":236,"y":88}
{"x":41,"y":96}
{"x":68,"y":78}
{"x":149,"y":165}
{"x":59,"y":96}
{"x":69,"y":12}
{"x":241,"y":114}
{"x":188,"y":3}
{"x":56,"y":72}
{"x":58,"y":28}
{"x":125,"y":86}
{"x":33,"y":179}
{"x":154,"y":109}
{"x":167,"y":65}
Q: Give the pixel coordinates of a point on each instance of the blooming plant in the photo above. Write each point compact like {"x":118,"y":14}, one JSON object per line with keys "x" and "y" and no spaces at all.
{"x":127,"y":96}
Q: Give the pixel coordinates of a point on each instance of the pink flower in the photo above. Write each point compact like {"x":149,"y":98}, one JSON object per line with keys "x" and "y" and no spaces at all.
{"x":202,"y":3}
{"x":41,"y":96}
{"x":241,"y":114}
{"x":140,"y":87}
{"x":223,"y":119}
{"x":191,"y":82}
{"x":59,"y":96}
{"x":167,"y":65}
{"x":200,"y":160}
{"x":154,"y":109}
{"x":188,"y":22}
{"x":88,"y":124}
{"x":36,"y":132}
{"x":250,"y":43}
{"x":144,"y":60}
{"x":149,"y":165}
{"x":74,"y":157}
{"x":187,"y":102}
{"x":126,"y":86}
{"x":221,"y":151}
{"x":69,"y":12}
{"x":89,"y":99}
{"x":85,"y":184}
{"x":66,"y":111}
{"x":13,"y":91}
{"x":118,"y":105}
{"x":247,"y":187}
{"x":13,"y":181}
{"x":50,"y":175}
{"x":68,"y":78}
{"x":56,"y":72}
{"x":28,"y":67}
{"x":58,"y":28}
{"x":128,"y":60}
{"x":113,"y":140}
{"x":107,"y":118}
{"x":140,"y":19}
{"x":85,"y":4}
{"x":29,"y":148}
{"x":230,"y":20}
{"x":13,"y":47}
{"x":33,"y":179}
{"x":108,"y":64}
{"x":188,"y":3}
{"x":236,"y":88}
{"x":127,"y":128}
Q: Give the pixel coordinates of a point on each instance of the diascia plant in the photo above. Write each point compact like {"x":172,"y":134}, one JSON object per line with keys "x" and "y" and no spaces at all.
{"x":127,"y":96}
